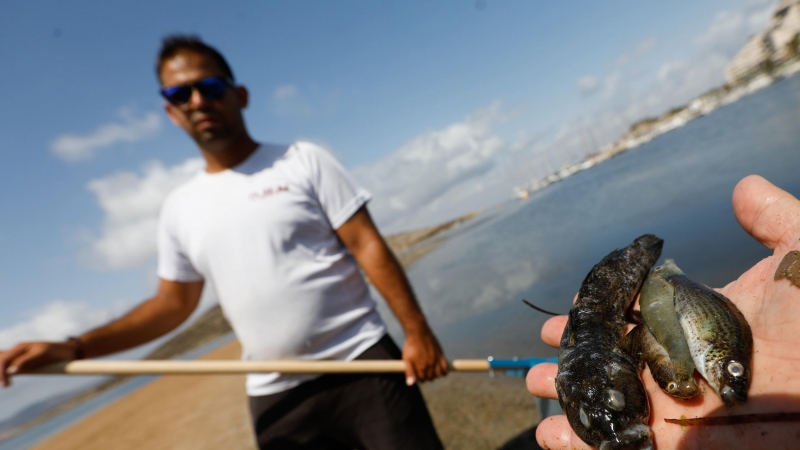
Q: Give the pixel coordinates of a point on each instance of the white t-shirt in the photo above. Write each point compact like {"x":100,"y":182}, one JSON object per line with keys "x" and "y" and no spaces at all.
{"x":263,"y":235}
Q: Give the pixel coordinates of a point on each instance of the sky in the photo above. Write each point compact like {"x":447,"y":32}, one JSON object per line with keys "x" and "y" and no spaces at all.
{"x":439,"y":107}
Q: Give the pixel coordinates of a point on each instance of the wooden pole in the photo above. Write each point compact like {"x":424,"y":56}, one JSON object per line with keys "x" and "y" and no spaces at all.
{"x":230,"y":367}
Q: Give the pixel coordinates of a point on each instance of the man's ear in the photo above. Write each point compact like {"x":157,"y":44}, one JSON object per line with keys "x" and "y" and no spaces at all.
{"x":243,"y":95}
{"x":171,"y":112}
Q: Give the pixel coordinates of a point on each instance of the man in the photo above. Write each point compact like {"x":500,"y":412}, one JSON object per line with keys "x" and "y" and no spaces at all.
{"x":280,"y":231}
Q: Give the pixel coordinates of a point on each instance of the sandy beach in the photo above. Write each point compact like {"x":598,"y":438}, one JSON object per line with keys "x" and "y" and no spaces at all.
{"x":176,"y":412}
{"x":471,"y":411}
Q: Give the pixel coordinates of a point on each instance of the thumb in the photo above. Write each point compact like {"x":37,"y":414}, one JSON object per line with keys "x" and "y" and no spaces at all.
{"x":767,"y":212}
{"x":411,"y":377}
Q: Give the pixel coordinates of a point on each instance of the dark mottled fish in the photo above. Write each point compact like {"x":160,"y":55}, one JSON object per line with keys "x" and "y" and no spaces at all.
{"x":598,"y":386}
{"x":789,"y":268}
{"x":675,"y":373}
{"x":718,"y":335}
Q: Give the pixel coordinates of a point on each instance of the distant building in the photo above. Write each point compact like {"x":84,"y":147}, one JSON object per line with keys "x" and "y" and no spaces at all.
{"x":776,"y":44}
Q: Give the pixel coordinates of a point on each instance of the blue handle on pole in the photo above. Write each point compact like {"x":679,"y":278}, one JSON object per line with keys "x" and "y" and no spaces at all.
{"x":518,"y":367}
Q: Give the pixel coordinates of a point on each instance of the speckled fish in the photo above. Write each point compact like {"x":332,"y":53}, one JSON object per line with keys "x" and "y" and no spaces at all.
{"x":674,"y":372}
{"x":598,"y":386}
{"x":718,"y":335}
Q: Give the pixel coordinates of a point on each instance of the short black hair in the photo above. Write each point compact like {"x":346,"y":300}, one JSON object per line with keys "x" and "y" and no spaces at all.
{"x":174,"y":43}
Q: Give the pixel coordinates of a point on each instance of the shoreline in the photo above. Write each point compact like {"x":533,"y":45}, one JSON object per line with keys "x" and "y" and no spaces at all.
{"x":648,"y":129}
{"x":473,"y":411}
{"x":408,"y":247}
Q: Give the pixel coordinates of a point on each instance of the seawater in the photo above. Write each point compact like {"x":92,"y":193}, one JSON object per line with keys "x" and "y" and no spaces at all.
{"x":677,"y":186}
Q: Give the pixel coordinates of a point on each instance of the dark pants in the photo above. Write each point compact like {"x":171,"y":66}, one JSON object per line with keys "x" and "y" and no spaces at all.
{"x":346,"y":412}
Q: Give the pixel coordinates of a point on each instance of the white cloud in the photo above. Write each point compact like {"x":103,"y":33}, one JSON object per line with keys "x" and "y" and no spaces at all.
{"x":588,"y":85}
{"x":285,"y":91}
{"x":731,"y":28}
{"x":641,"y":49}
{"x":412,"y":182}
{"x":70,"y":147}
{"x":131,"y":203}
{"x":58,"y":319}
{"x":632,"y":91}
{"x":467,"y":166}
{"x":611,"y":85}
{"x":288,"y":101}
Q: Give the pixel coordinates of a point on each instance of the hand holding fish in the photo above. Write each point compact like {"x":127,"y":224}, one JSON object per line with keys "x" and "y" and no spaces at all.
{"x":771,"y":305}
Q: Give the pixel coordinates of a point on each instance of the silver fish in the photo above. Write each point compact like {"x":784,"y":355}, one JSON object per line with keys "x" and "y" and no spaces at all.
{"x":641,"y":346}
{"x":598,"y":385}
{"x":718,"y":335}
{"x":674,"y":373}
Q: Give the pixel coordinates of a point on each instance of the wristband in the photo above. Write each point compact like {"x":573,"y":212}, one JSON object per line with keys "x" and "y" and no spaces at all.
{"x":77,"y":347}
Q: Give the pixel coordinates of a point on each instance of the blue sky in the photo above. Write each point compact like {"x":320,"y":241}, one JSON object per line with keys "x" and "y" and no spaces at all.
{"x":438,"y":107}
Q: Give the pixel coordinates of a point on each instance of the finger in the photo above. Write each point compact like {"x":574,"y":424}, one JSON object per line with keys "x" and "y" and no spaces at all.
{"x":436,"y":371}
{"x":411,"y":377}
{"x":422,"y":367}
{"x":553,"y":329}
{"x":555,"y":433}
{"x":441,"y":366}
{"x":767,"y":212}
{"x":6,"y":365}
{"x":27,"y":361}
{"x":429,"y":370}
{"x":541,"y":380}
{"x":433,"y":366}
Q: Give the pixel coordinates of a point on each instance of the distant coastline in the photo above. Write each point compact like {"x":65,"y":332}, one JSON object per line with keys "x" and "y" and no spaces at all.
{"x":646,"y":130}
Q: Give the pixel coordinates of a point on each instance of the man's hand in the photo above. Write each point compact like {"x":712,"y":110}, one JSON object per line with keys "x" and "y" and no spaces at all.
{"x":28,"y":355}
{"x":423,"y":357}
{"x":772,"y":216}
{"x":151,"y":319}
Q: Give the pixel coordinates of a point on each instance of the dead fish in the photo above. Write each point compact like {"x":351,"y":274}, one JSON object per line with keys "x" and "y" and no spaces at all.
{"x":675,"y":372}
{"x":598,"y":386}
{"x":641,"y":346}
{"x":718,"y":335}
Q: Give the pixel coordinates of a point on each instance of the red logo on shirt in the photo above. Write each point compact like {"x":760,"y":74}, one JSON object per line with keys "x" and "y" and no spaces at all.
{"x":266,"y":192}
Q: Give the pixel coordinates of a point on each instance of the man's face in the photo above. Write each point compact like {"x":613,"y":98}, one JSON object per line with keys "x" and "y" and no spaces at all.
{"x":213,"y":124}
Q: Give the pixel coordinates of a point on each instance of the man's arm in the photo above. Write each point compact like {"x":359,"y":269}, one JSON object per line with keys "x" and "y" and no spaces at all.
{"x":153,"y":318}
{"x":421,"y":352}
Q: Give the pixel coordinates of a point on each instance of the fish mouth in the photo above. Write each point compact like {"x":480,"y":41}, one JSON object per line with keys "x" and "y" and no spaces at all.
{"x":650,"y":242}
{"x":636,"y":437}
{"x":686,"y":390}
{"x":730,"y":396}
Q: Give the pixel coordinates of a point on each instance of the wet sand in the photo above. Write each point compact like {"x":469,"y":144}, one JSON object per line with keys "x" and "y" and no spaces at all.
{"x":470,"y":411}
{"x":174,"y":412}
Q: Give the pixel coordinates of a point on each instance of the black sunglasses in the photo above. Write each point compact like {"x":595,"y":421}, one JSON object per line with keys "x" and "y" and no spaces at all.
{"x":211,"y":88}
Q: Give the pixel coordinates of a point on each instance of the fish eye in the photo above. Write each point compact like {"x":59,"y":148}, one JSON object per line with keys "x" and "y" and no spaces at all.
{"x":735,"y":368}
{"x":616,"y":400}
{"x":672,"y":387}
{"x":584,"y":417}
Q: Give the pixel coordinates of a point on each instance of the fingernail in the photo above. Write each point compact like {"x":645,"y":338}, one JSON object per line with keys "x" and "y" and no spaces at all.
{"x":410,"y":381}
{"x":12,"y":370}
